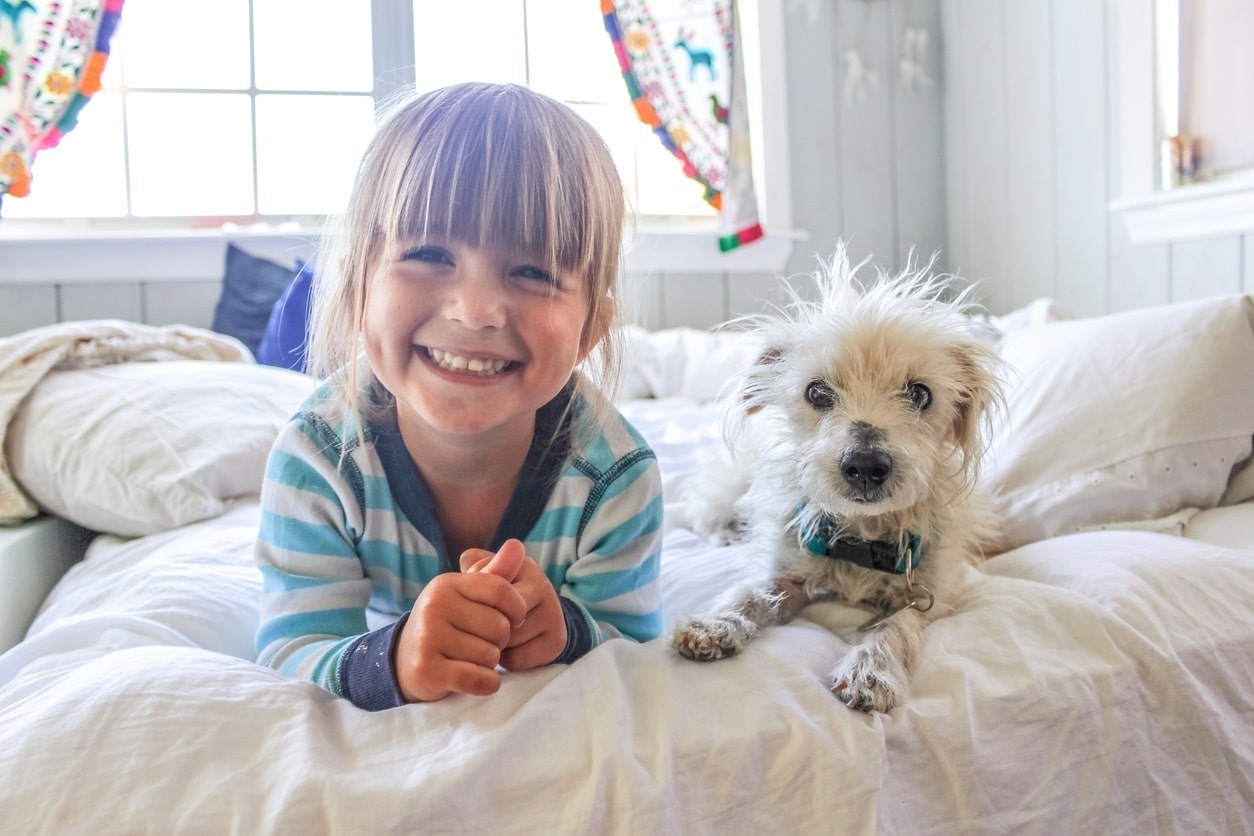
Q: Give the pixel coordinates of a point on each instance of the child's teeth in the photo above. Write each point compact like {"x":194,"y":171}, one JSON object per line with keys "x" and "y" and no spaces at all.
{"x":475,"y":365}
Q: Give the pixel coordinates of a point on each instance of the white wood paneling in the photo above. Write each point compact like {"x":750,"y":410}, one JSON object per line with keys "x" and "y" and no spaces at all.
{"x":1080,"y":130}
{"x":24,"y":307}
{"x":1205,"y":267}
{"x":986,"y":252}
{"x":185,"y":303}
{"x":953,"y":50}
{"x":865,"y":43}
{"x":753,"y":294}
{"x":1139,"y":275}
{"x":695,"y":300}
{"x":918,"y":138}
{"x":1031,"y":170}
{"x":102,"y":301}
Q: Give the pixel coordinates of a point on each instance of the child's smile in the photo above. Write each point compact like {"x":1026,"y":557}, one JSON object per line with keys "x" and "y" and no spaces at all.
{"x":467,"y":365}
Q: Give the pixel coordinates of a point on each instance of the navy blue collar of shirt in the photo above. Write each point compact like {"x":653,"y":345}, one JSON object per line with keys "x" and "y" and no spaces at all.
{"x":550,"y":447}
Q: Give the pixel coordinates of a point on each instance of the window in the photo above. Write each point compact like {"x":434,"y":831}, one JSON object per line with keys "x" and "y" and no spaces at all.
{"x":263,"y":115}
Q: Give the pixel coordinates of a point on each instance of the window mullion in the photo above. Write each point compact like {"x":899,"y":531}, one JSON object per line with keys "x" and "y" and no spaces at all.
{"x":392,"y":42}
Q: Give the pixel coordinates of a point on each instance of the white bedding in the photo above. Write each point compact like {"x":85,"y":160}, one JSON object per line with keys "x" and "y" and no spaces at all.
{"x":1097,"y":682}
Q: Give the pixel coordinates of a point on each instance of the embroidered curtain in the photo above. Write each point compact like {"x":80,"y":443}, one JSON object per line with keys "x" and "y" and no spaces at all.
{"x":52,"y":53}
{"x":681,"y":60}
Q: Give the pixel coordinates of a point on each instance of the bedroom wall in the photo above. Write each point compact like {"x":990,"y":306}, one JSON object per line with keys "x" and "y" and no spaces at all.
{"x":1050,"y":164}
{"x":865,"y":167}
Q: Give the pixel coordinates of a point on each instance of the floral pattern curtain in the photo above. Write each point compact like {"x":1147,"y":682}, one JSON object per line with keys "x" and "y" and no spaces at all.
{"x":52,"y":54}
{"x":682,"y":63}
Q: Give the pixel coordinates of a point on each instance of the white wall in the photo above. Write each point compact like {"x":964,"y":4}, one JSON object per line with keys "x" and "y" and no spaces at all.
{"x":1050,"y":163}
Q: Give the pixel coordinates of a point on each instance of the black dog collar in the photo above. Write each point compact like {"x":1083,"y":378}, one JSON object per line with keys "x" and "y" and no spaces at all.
{"x":821,"y":540}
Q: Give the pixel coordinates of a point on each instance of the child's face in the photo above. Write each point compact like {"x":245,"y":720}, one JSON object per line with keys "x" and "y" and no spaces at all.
{"x":471,"y":339}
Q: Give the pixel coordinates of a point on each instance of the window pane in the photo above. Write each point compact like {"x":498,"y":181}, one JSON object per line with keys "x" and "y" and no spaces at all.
{"x":190,"y":153}
{"x":185,"y":44}
{"x":308,"y":148}
{"x":654,"y":178}
{"x":313,"y":45}
{"x":83,"y":176}
{"x":664,"y":189}
{"x":468,"y":40}
{"x":569,"y":53}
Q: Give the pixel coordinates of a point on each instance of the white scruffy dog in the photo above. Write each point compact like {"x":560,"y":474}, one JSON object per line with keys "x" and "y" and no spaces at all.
{"x":853,"y":466}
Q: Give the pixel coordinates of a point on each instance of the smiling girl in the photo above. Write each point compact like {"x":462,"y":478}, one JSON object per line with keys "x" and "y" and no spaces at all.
{"x":457,"y":498}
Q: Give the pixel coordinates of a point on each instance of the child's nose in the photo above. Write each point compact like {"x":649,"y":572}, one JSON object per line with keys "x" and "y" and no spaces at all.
{"x":476,"y":302}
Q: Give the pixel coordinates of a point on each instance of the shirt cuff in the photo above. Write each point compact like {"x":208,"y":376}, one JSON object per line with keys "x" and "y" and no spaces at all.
{"x":579,"y":639}
{"x":368,"y":673}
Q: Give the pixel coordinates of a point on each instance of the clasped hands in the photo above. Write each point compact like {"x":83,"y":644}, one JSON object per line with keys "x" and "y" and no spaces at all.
{"x":500,"y":610}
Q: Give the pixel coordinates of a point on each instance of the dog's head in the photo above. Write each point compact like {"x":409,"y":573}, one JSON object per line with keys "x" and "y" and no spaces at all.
{"x":884,"y":390}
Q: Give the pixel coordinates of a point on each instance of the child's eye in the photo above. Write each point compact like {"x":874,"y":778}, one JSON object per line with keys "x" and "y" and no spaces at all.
{"x":533,"y":273}
{"x":428,"y":254}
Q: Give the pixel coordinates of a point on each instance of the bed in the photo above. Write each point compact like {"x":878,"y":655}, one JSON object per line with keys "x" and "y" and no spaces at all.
{"x":1096,"y":677}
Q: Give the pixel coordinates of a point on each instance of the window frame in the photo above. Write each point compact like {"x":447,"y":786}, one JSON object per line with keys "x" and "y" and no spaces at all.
{"x":35,"y":252}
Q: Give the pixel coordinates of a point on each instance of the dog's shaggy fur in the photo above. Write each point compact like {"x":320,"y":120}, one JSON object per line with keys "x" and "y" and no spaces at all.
{"x":862,"y":420}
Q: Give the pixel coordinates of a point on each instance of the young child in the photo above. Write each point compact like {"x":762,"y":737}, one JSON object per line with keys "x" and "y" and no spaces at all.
{"x":456,"y":498}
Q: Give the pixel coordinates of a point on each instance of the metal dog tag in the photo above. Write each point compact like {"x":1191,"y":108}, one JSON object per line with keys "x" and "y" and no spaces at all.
{"x":928,"y":598}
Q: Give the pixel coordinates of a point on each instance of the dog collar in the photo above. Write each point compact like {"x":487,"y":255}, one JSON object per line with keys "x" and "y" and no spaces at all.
{"x":820,"y":539}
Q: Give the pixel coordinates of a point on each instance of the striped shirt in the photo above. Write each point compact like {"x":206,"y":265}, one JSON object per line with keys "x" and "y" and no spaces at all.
{"x":349,"y":538}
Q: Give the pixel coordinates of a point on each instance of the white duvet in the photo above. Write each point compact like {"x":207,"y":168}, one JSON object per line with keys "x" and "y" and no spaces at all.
{"x":1094,"y":683}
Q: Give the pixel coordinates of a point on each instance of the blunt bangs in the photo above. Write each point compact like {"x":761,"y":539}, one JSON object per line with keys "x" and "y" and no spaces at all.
{"x":495,"y":166}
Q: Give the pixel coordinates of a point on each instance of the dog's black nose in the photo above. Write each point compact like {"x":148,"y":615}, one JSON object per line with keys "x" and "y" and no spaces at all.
{"x":866,"y":468}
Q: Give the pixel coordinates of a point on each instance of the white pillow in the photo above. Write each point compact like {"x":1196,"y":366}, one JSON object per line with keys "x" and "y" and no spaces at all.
{"x":1124,"y":417}
{"x":136,"y":448}
{"x":690,"y":363}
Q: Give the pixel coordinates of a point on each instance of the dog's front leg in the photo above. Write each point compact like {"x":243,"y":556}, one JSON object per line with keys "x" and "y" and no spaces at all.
{"x":729,"y":627}
{"x":873,"y":675}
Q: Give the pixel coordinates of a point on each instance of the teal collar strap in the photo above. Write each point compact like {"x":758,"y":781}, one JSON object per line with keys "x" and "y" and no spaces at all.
{"x":820,"y":539}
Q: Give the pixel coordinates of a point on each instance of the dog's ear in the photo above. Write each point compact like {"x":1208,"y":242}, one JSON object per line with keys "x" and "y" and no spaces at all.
{"x":758,"y":378}
{"x":979,"y":391}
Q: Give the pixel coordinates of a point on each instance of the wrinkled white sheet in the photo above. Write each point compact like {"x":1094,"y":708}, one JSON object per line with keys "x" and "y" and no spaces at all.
{"x":1101,"y":682}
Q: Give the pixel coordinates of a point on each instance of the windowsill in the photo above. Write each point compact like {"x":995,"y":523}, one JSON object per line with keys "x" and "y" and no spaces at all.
{"x":1224,"y":206}
{"x":55,"y":254}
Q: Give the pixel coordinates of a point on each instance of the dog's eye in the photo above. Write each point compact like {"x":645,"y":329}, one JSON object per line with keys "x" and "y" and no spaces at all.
{"x":819,"y":395}
{"x":919,"y":395}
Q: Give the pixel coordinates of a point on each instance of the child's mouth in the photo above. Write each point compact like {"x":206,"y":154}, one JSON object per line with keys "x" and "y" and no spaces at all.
{"x":480,"y":366}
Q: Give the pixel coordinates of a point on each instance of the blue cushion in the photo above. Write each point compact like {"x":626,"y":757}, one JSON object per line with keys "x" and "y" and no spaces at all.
{"x":283,"y":343}
{"x":250,"y":287}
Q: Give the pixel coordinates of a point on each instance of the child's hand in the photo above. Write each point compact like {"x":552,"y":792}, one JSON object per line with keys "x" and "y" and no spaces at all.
{"x":459,"y":630}
{"x":542,"y":635}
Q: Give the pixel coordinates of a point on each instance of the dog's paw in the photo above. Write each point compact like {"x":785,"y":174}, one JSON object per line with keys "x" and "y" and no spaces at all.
{"x":711,"y":637}
{"x":865,"y":683}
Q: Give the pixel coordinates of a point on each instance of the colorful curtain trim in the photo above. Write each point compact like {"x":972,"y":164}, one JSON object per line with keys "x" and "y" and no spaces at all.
{"x":52,"y":54}
{"x":683,"y":68}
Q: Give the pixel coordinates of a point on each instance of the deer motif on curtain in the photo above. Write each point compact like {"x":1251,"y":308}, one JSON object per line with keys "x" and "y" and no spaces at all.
{"x":681,"y":60}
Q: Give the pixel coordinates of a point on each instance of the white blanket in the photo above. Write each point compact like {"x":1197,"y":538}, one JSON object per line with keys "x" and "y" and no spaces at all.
{"x":26,"y":357}
{"x":1100,"y":682}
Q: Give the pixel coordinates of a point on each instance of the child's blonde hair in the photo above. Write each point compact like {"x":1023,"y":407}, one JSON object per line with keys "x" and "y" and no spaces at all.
{"x":486,"y":164}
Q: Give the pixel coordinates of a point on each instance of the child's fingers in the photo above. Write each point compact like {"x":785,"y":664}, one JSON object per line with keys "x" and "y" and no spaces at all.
{"x":504,"y":564}
{"x":473,"y":560}
{"x":485,"y":588}
{"x":472,"y":679}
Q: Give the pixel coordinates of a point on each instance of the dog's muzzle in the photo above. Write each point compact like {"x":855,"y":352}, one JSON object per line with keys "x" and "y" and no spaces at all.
{"x":865,"y":470}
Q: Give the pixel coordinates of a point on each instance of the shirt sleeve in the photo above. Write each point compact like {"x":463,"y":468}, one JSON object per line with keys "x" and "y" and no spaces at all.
{"x":612,"y":590}
{"x":314,"y":590}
